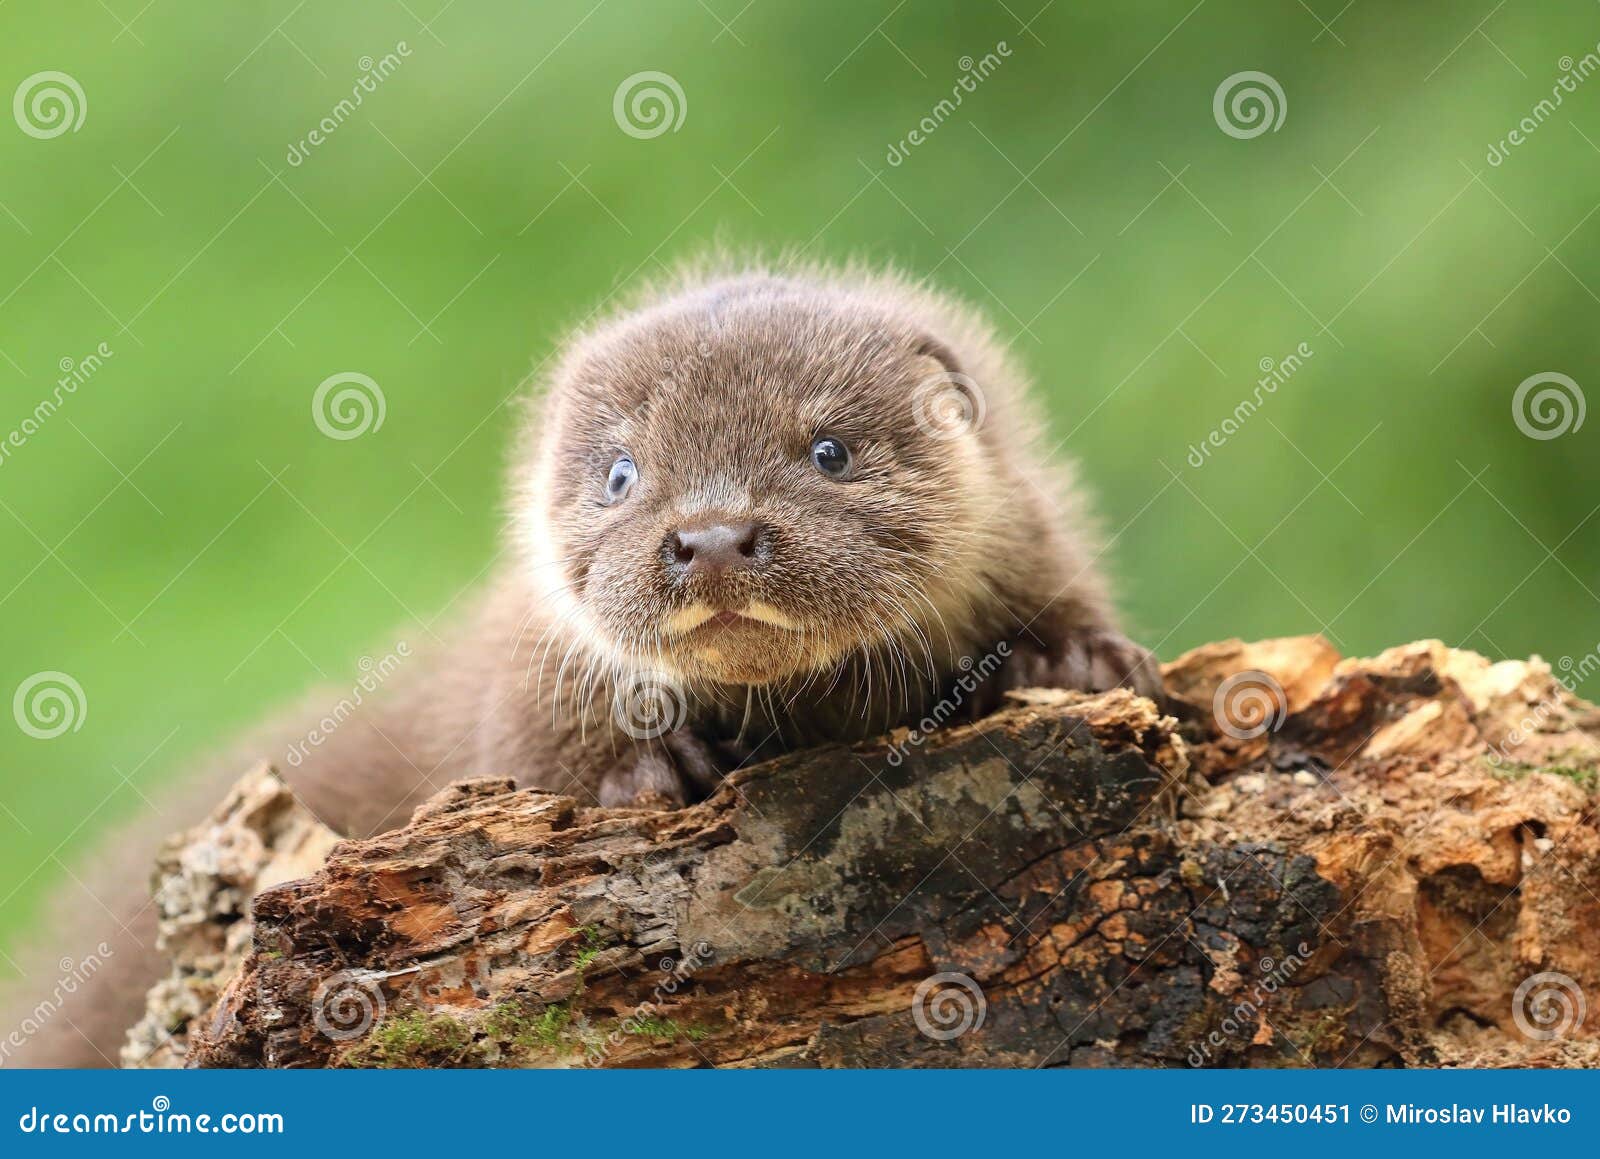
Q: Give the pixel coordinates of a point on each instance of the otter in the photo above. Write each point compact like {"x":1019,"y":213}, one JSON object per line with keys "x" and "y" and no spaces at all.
{"x":759,"y":508}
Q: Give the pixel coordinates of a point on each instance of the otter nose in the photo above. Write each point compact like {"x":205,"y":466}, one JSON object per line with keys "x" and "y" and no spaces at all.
{"x":717,"y":547}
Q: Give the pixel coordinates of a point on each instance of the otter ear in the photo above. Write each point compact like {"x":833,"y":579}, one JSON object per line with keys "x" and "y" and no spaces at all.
{"x":946,"y":403}
{"x":930,"y":347}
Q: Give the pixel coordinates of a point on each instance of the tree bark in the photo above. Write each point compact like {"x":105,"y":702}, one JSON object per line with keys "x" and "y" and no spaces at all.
{"x":1297,"y":861}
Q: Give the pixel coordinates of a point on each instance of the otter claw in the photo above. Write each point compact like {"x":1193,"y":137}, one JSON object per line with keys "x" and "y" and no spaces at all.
{"x":1097,"y":659}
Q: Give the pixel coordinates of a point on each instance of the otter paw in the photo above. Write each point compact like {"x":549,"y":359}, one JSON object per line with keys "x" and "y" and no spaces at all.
{"x":1098,"y":659}
{"x":650,"y":781}
{"x":686,"y":771}
{"x":701,"y":766}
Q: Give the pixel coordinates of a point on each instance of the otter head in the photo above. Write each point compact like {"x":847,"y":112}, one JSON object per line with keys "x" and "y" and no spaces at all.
{"x":754,"y":480}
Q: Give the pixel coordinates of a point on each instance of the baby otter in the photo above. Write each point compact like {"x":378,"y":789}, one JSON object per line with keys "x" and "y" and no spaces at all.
{"x":762,"y":509}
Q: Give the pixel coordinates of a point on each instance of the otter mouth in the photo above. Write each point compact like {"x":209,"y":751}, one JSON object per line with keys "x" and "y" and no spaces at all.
{"x":727,"y":620}
{"x":701,"y":618}
{"x":748,"y":643}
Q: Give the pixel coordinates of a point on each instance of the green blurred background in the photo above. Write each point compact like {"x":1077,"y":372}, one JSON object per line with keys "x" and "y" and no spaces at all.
{"x":181,"y":540}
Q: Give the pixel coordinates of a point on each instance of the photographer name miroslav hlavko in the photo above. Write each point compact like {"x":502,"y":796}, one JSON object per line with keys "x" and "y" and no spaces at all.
{"x":1503,"y":1113}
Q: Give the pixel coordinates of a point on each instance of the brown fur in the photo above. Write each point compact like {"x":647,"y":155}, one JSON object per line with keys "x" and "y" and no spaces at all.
{"x":950,"y":540}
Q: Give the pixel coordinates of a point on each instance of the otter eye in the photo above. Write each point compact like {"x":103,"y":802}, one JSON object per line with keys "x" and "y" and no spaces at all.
{"x":831,"y":457}
{"x":621,"y":479}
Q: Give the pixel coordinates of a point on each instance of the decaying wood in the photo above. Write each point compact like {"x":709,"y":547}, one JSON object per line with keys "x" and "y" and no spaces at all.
{"x":259,"y":837}
{"x":1311,"y":861}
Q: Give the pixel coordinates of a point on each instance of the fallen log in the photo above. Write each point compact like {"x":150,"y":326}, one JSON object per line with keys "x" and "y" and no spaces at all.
{"x":1299,"y":861}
